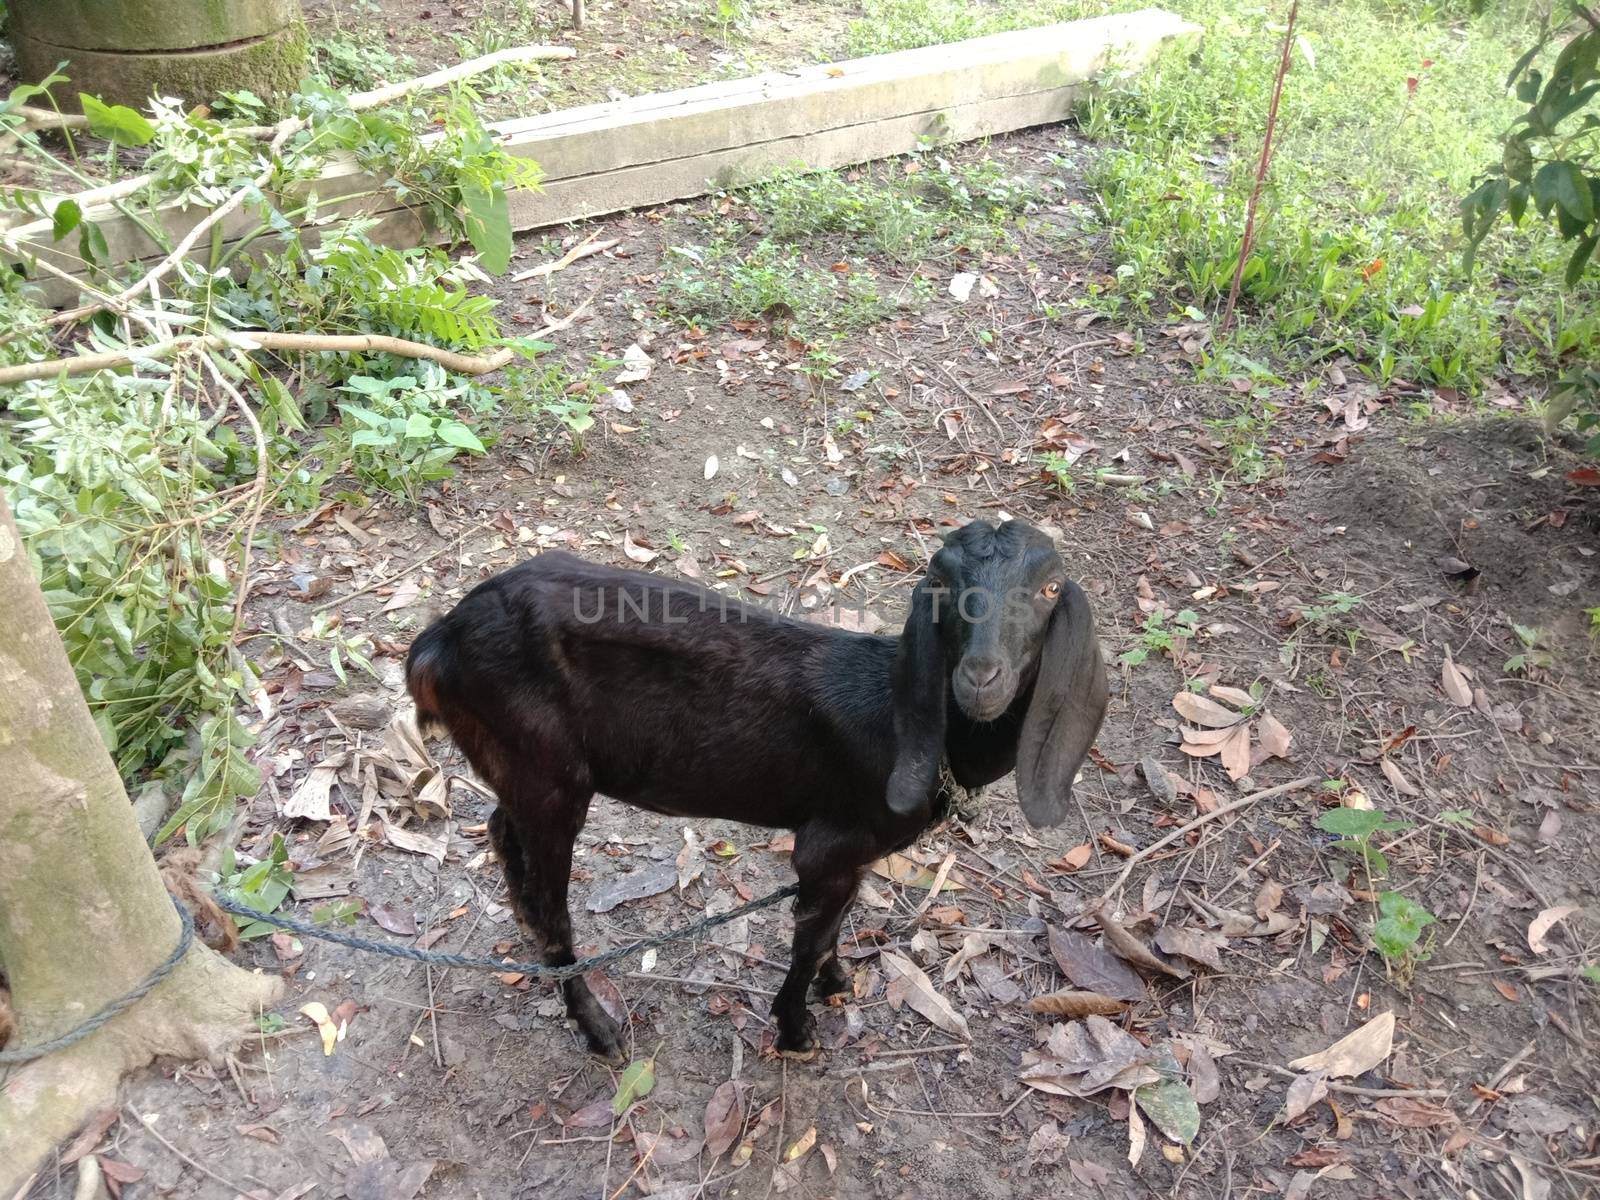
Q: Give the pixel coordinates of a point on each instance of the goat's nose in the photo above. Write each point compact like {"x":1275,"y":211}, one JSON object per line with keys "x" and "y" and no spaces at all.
{"x":982,"y":674}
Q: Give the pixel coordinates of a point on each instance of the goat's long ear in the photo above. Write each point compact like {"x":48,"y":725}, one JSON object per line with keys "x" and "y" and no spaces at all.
{"x":1068,"y":704}
{"x":919,"y":708}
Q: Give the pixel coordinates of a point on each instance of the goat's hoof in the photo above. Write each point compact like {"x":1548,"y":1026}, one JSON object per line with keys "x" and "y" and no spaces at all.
{"x":799,"y":1043}
{"x":830,"y":983}
{"x":605,"y":1042}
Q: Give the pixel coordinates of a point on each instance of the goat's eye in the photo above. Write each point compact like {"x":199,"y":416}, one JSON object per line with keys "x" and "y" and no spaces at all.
{"x":1050,"y":590}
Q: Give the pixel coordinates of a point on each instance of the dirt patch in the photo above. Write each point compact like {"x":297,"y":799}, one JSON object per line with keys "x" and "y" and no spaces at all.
{"x":1318,"y":586}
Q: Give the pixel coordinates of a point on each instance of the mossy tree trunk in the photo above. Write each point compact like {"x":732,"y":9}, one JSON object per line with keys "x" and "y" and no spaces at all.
{"x":125,"y":50}
{"x":83,"y":913}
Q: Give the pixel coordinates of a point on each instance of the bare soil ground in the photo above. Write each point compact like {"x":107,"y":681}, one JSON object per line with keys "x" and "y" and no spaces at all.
{"x":466,"y":1084}
{"x":627,"y":47}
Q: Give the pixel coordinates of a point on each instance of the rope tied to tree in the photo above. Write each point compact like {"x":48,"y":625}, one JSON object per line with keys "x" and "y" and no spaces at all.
{"x":26,"y":1054}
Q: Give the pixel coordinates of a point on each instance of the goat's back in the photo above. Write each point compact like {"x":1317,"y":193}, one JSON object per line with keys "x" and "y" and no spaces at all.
{"x":656,"y":692}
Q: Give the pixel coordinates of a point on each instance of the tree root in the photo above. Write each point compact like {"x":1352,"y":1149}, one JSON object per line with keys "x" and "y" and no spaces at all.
{"x":205,"y":1008}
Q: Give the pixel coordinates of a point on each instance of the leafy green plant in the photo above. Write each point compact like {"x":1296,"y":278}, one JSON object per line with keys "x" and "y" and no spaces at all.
{"x":1356,"y":828}
{"x":138,"y":492}
{"x":401,"y":434}
{"x":1329,"y":608}
{"x":263,"y":886}
{"x":1399,"y":927}
{"x":1400,"y":920}
{"x":1059,"y":470}
{"x":1158,"y":637}
{"x":1534,"y":653}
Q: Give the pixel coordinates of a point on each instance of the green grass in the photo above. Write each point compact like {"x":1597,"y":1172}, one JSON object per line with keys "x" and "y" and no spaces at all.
{"x":765,"y":261}
{"x":1359,"y":238}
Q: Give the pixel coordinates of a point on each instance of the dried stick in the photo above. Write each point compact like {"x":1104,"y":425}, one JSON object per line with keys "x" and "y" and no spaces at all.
{"x":1248,"y":241}
{"x":1213,"y":815}
{"x":261,"y":339}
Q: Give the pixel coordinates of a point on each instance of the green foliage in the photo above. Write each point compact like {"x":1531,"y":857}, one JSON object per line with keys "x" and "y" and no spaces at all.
{"x":723,"y":280}
{"x":117,"y":123}
{"x":401,"y":434}
{"x":1330,"y":607}
{"x":1534,"y":651}
{"x":1549,"y":160}
{"x":1399,"y":926}
{"x":1356,"y":828}
{"x":1157,"y":637}
{"x":113,"y":490}
{"x":929,"y":210}
{"x":263,"y":886}
{"x":1385,"y":121}
{"x":133,"y":489}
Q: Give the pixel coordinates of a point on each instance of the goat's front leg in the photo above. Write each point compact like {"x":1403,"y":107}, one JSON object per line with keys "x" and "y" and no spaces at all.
{"x":829,"y":873}
{"x":534,"y":836}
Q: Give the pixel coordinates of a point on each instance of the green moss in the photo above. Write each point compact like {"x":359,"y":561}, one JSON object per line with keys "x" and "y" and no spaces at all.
{"x":271,"y":65}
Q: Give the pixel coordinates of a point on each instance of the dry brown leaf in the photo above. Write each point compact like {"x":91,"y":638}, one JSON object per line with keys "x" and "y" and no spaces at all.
{"x":1201,"y":945}
{"x":1542,"y":924}
{"x":897,"y":868}
{"x":1075,"y":859}
{"x":1082,"y":1058}
{"x":1304,"y":1092}
{"x":310,"y":799}
{"x":1508,"y":990}
{"x":1237,"y":697}
{"x":1203,"y":711}
{"x":1235,"y":753}
{"x":1093,"y":968}
{"x":724,"y":1117}
{"x":1268,"y":898}
{"x":1210,"y":739}
{"x":1274,"y":737}
{"x":638,"y":552}
{"x":1136,"y":1135}
{"x":1076,"y":1005}
{"x":1456,"y":688}
{"x":1397,"y":778}
{"x":1132,"y":949}
{"x":917,"y":990}
{"x":1356,"y":1053}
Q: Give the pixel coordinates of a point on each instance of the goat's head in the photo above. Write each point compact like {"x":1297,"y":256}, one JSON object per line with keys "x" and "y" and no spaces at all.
{"x":996,"y":619}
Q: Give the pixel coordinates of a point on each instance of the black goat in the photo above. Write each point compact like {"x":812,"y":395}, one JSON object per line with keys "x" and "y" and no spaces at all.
{"x":559,"y":679}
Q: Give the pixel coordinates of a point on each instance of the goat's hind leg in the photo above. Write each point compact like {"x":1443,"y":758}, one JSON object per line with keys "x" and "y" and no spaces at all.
{"x":534,"y":832}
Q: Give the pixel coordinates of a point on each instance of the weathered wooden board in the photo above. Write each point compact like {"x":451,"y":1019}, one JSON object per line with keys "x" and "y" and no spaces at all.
{"x":665,"y":146}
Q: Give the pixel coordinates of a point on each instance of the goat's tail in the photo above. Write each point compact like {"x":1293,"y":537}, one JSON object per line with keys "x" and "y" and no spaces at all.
{"x":427,"y":666}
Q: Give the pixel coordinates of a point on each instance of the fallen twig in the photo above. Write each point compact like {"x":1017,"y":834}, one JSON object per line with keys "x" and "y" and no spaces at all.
{"x":1205,"y":818}
{"x":583,"y":249}
{"x":1350,"y":1089}
{"x":260,"y":339}
{"x":198,"y":1166}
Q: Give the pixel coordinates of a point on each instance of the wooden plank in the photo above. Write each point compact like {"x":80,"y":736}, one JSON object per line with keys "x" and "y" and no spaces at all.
{"x":654,"y":148}
{"x":586,"y":196}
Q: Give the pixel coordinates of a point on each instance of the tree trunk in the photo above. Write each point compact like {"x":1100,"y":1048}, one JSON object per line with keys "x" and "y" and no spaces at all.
{"x":83,"y":913}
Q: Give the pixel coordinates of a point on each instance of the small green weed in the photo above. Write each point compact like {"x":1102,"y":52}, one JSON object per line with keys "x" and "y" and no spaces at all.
{"x":1157,"y":637}
{"x":1535,"y":653}
{"x":263,"y":886}
{"x":403,"y":434}
{"x":1356,"y":828}
{"x":1401,"y":920}
{"x":723,"y":280}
